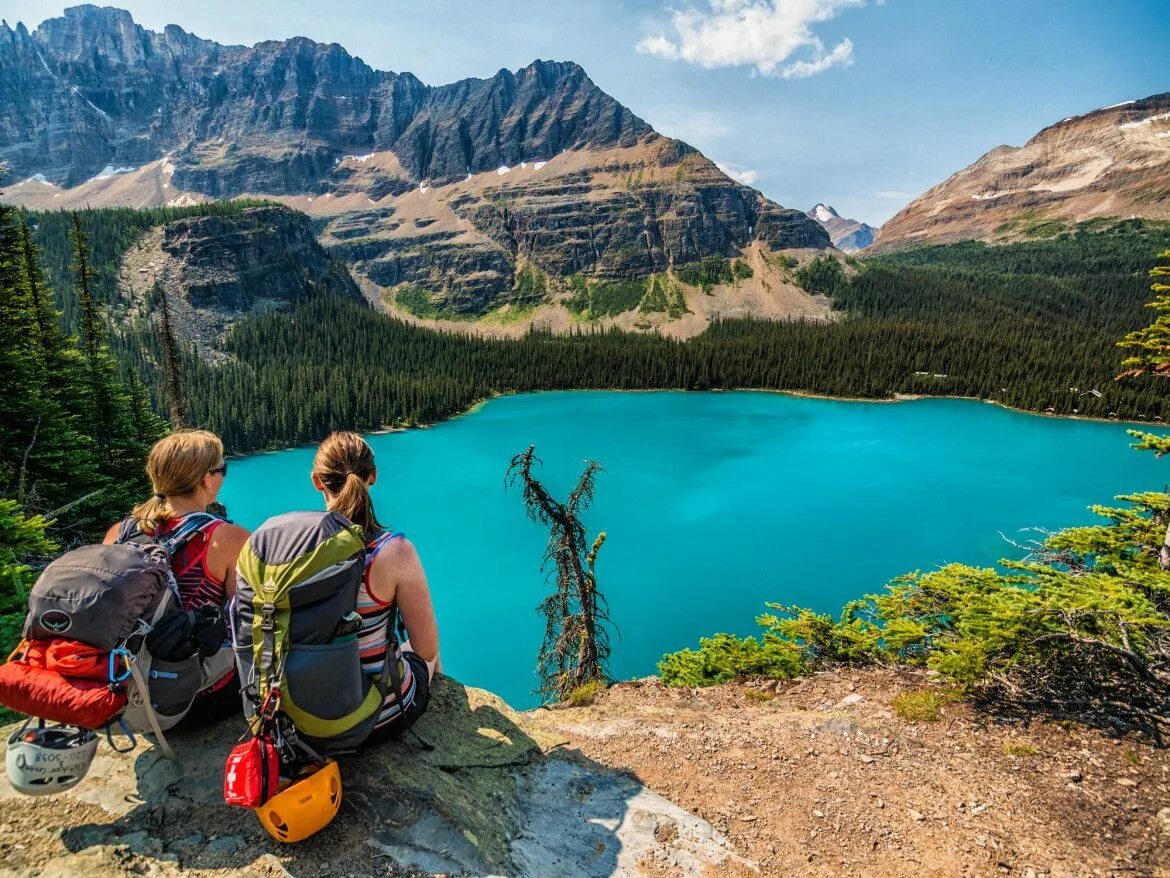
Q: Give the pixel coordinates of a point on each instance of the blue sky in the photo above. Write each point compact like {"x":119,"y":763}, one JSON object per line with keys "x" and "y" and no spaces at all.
{"x":862,"y":104}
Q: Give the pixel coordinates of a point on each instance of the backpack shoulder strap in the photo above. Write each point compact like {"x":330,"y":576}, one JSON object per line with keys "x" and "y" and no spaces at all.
{"x":190,"y":525}
{"x":129,"y":529}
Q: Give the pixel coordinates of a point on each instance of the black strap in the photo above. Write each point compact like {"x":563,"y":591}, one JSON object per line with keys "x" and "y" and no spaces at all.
{"x":392,"y":674}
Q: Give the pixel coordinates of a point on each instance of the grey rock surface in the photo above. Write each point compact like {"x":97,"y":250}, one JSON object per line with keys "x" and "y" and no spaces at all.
{"x":497,"y":796}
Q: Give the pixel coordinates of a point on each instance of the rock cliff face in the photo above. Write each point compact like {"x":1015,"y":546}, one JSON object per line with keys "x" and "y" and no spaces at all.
{"x":847,"y":235}
{"x":1113,"y":162}
{"x":216,"y":270}
{"x":452,"y":188}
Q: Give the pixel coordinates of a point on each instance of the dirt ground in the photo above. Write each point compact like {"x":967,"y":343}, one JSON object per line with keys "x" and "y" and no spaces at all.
{"x":821,"y":776}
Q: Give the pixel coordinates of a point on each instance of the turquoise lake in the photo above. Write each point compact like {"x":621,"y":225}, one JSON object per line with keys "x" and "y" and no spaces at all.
{"x":713,"y":503}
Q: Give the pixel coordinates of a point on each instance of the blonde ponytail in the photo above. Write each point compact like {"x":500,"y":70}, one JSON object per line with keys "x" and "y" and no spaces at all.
{"x":176,"y":465}
{"x":345,"y":465}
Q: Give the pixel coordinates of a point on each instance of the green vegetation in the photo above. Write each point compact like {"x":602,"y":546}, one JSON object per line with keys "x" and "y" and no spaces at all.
{"x":73,"y":431}
{"x":664,"y":296}
{"x":740,"y":270}
{"x":595,"y":299}
{"x":415,"y":300}
{"x":531,"y":282}
{"x":24,"y":546}
{"x":584,"y":695}
{"x":708,"y":272}
{"x":1031,"y":224}
{"x":1151,"y":345}
{"x":1021,"y":749}
{"x":919,"y":706}
{"x":823,"y":276}
{"x":1080,"y":625}
{"x":1023,"y":324}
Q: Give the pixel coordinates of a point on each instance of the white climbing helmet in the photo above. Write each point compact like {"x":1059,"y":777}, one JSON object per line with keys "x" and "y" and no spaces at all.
{"x":49,"y":759}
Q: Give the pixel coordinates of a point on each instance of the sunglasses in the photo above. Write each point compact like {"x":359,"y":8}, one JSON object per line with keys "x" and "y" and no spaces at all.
{"x":221,"y":469}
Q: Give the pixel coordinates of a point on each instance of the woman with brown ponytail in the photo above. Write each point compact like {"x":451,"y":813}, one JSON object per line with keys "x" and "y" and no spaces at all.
{"x":187,"y":470}
{"x":394,"y":589}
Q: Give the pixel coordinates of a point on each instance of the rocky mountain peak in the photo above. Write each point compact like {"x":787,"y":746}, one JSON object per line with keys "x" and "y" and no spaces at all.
{"x":823,"y":213}
{"x":846,"y":234}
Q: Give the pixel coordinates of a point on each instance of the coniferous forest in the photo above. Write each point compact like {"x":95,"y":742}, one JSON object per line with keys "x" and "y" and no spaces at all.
{"x":1032,"y":325}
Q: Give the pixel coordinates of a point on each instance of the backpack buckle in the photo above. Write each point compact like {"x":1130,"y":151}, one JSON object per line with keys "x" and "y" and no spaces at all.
{"x":267,"y":617}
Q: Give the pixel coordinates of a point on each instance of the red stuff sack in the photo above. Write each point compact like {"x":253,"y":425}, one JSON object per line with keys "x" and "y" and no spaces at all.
{"x":28,"y":687}
{"x":251,"y":773}
{"x":72,"y":658}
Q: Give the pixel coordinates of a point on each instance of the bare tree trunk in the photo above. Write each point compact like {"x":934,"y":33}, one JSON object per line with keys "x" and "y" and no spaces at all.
{"x":576,"y":646}
{"x":176,"y":398}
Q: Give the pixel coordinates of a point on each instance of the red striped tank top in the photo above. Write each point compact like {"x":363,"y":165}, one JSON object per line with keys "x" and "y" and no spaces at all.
{"x":198,"y":586}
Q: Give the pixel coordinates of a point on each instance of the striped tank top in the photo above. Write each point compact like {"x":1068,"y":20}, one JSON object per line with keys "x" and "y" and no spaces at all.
{"x":198,"y":586}
{"x":379,"y":634}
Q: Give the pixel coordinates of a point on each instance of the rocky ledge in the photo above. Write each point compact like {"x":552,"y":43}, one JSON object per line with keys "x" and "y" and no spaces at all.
{"x":823,"y":776}
{"x":499,"y":795}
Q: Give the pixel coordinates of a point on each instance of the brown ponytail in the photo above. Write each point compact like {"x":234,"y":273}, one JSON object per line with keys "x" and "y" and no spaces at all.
{"x":345,"y":466}
{"x":176,"y":465}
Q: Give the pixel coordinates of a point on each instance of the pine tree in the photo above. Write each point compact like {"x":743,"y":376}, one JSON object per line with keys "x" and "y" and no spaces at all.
{"x":176,"y":397}
{"x":1153,"y":342}
{"x":122,"y":449}
{"x":575,"y":651}
{"x":19,"y":378}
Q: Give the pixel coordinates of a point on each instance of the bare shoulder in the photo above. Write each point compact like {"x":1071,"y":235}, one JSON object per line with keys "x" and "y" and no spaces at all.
{"x":111,"y":536}
{"x":229,"y":536}
{"x":396,"y":552}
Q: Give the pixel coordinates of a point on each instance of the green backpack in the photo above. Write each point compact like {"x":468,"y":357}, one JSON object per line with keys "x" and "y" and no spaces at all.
{"x":293,"y":630}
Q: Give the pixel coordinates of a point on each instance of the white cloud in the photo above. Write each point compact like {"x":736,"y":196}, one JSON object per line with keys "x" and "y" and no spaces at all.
{"x":743,"y":175}
{"x":893,"y":195}
{"x":842,"y":54}
{"x":762,"y":33}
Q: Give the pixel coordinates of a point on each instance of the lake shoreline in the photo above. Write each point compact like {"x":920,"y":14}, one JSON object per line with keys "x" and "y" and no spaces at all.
{"x":796,"y":394}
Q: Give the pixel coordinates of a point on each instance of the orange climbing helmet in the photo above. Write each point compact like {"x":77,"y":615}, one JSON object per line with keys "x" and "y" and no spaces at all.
{"x":304,"y":805}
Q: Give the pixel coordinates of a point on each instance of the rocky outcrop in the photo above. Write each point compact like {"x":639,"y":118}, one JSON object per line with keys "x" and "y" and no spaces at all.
{"x":496,"y":796}
{"x":847,"y":235}
{"x":218,"y":269}
{"x":451,"y":188}
{"x":94,"y":89}
{"x":1113,"y":162}
{"x":619,"y":213}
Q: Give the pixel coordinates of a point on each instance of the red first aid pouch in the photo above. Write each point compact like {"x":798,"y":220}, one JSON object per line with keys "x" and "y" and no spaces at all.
{"x":252,"y":773}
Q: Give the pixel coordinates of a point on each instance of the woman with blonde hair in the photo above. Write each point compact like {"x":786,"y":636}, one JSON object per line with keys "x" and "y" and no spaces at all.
{"x":394,"y":593}
{"x":186,"y":471}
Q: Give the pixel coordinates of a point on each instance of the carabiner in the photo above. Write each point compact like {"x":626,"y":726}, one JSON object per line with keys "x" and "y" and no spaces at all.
{"x":125,"y":675}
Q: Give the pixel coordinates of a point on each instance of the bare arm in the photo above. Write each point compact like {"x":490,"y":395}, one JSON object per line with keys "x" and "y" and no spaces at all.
{"x":226,"y":542}
{"x":111,"y":536}
{"x":397,"y":575}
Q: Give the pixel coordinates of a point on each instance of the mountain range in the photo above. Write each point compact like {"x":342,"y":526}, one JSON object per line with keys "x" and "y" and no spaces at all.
{"x":1112,"y":162}
{"x":455,"y":190}
{"x":847,"y":235}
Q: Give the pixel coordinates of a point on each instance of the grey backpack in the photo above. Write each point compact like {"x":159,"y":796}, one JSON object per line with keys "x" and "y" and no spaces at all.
{"x":110,"y":597}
